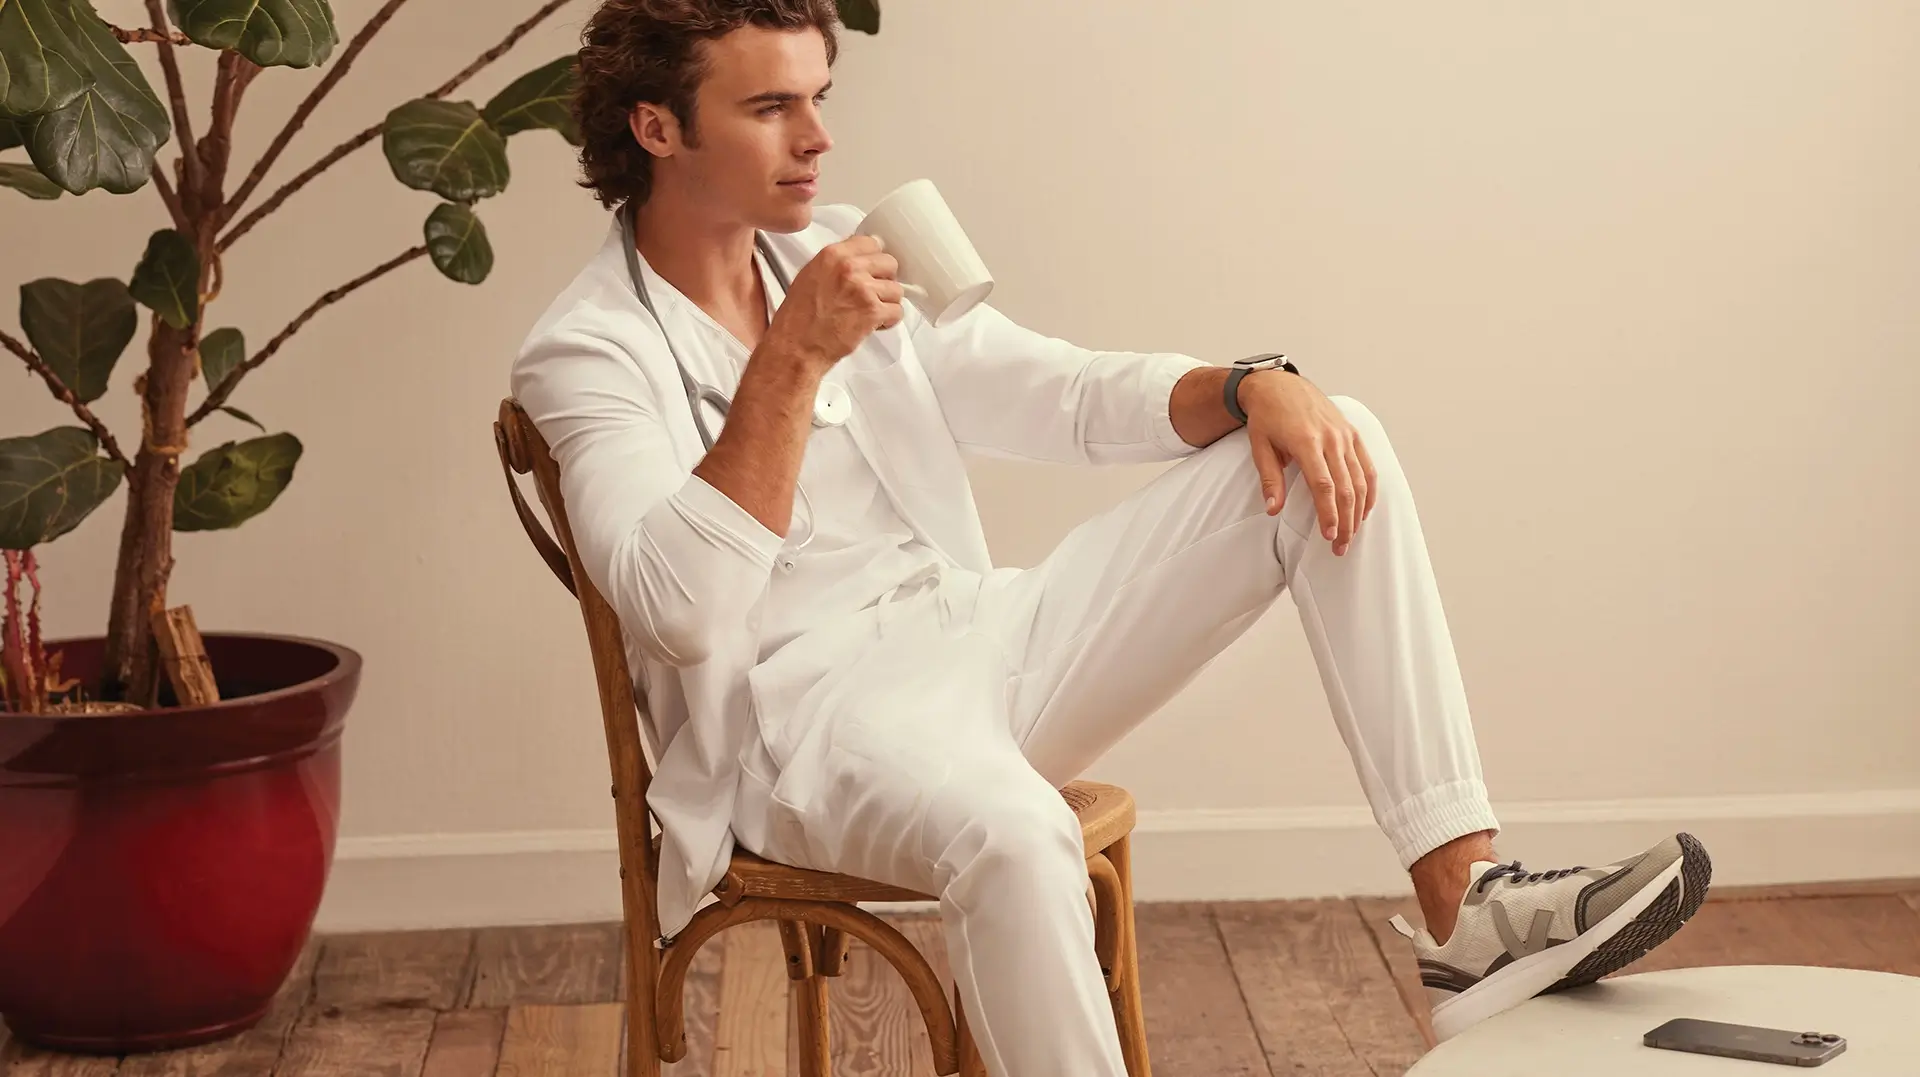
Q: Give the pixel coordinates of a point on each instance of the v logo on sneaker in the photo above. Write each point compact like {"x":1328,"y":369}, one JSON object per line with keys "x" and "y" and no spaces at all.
{"x":1536,"y":939}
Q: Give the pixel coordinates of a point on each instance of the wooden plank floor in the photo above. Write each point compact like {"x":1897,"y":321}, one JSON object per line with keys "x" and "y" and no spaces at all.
{"x":1319,"y":988}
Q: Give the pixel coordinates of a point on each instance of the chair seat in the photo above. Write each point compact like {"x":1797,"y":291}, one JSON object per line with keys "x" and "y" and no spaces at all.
{"x":1105,"y":812}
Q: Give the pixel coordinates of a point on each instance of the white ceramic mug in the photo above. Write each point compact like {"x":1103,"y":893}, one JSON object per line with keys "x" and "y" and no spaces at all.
{"x":939,"y":269}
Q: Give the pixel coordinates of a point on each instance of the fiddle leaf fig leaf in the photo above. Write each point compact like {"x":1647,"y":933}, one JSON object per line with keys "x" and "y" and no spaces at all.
{"x":28,"y":181}
{"x":232,"y":484}
{"x":540,"y":98}
{"x":271,"y":33}
{"x":38,"y":72}
{"x":457,"y":243}
{"x":106,"y":136}
{"x":445,"y":147}
{"x":79,"y":329}
{"x":861,"y":15}
{"x":168,"y":278}
{"x":49,"y":482}
{"x":242,"y":416}
{"x":221,"y":351}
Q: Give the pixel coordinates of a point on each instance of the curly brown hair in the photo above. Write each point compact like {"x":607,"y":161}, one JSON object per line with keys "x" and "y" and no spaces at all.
{"x":649,"y":50}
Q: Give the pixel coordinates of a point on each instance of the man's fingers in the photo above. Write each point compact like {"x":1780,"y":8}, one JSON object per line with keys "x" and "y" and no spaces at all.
{"x":1362,"y":488}
{"x":1345,"y":506}
{"x":1373,"y":477}
{"x":879,"y":265}
{"x":1320,"y":481}
{"x":1273,"y":474}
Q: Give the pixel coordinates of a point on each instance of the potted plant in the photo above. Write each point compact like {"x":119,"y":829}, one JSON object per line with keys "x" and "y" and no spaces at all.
{"x":168,"y":803}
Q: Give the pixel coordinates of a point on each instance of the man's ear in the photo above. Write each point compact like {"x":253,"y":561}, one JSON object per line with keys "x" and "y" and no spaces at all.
{"x":655,"y":128}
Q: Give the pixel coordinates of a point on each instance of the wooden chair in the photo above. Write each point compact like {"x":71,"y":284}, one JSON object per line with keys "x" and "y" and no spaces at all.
{"x":816,"y":910}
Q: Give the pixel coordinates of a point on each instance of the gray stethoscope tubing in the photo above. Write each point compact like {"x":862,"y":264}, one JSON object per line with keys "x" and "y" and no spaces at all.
{"x":698,"y":394}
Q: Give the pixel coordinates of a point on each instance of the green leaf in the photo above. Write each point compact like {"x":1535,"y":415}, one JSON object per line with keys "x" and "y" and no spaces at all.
{"x":107,"y":135}
{"x":271,"y":33}
{"x":49,"y":482}
{"x":168,"y":278}
{"x":220,"y":351}
{"x":27,"y":180}
{"x":457,"y":243}
{"x":542,"y":97}
{"x":242,"y":416}
{"x":234,"y":483}
{"x":38,"y":72}
{"x":861,"y":15}
{"x":79,"y":329}
{"x":445,"y":147}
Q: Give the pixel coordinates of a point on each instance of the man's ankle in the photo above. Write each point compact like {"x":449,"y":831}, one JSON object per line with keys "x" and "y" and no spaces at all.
{"x":1440,"y":879}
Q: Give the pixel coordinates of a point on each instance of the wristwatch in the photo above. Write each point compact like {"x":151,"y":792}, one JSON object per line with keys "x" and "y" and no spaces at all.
{"x":1243,"y":367}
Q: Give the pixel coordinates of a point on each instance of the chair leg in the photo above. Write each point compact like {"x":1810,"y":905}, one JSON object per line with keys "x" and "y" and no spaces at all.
{"x":808,"y":987}
{"x":1128,"y":1013}
{"x":639,"y":1048}
{"x":970,"y":1063}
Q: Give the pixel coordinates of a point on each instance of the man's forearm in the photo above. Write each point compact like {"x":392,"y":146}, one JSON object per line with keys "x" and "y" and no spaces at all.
{"x":1198,"y":408}
{"x":756,"y":459}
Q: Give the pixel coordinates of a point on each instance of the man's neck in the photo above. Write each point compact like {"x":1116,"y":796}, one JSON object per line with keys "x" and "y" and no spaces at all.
{"x":710,"y":263}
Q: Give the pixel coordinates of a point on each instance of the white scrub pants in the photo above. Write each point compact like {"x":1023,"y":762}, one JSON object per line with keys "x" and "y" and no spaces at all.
{"x":922,"y":743}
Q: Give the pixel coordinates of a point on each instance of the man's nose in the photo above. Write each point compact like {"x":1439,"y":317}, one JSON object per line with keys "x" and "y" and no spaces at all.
{"x":816,"y":140}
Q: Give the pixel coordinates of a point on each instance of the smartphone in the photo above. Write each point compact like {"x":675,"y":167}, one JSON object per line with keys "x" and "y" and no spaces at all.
{"x":1745,"y":1041}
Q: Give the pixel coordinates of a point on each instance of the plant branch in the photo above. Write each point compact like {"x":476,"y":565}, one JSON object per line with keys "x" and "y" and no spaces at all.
{"x":182,"y":122}
{"x":168,"y":196}
{"x":335,"y":73}
{"x":235,"y":72}
{"x":513,"y":37}
{"x":61,"y":392}
{"x":129,"y":37}
{"x":218,"y":394}
{"x":287,"y":189}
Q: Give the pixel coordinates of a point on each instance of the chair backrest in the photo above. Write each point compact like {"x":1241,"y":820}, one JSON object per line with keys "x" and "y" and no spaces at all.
{"x":523,"y":450}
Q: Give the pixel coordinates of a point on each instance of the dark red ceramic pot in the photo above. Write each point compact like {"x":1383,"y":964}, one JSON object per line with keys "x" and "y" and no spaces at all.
{"x":160,"y":870}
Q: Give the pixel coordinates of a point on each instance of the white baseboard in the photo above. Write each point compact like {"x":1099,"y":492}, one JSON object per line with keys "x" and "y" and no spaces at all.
{"x":559,"y":876}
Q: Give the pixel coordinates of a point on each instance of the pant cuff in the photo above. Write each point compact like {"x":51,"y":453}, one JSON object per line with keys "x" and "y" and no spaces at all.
{"x":1424,"y":822}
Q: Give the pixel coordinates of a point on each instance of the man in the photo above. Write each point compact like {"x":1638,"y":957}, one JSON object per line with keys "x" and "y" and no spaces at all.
{"x":850,"y":685}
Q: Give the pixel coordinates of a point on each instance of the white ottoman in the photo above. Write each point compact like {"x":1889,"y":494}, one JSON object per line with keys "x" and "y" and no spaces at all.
{"x":1596,"y":1030}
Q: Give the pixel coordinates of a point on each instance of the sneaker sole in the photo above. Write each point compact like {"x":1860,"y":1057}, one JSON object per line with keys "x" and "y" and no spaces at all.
{"x":1658,"y":923}
{"x":1557,"y":967}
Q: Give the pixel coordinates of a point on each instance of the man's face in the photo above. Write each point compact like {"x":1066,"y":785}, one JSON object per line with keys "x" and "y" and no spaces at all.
{"x":759,"y":129}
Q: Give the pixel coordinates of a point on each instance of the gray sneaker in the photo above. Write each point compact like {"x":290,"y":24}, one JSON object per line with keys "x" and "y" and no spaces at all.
{"x":1523,"y":933}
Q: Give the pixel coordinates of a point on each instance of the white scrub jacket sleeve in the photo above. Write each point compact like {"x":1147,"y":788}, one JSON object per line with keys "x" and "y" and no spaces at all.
{"x":680,"y":562}
{"x":1009,"y":391}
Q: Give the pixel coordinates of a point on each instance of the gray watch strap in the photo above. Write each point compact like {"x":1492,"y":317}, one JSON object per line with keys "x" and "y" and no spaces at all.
{"x":1243,"y":367}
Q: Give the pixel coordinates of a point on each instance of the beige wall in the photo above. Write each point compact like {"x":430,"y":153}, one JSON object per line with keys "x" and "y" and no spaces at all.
{"x":1635,"y":287}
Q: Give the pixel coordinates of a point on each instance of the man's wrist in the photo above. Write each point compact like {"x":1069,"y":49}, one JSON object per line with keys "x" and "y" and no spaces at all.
{"x":1238,"y":374}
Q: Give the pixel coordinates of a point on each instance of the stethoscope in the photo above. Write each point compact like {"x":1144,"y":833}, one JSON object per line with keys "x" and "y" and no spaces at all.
{"x":830,"y":405}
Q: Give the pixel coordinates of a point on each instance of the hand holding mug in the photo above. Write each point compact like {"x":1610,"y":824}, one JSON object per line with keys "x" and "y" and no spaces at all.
{"x":838,"y":299}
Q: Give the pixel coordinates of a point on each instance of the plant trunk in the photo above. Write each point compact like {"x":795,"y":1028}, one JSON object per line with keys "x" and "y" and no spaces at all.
{"x":130,"y":671}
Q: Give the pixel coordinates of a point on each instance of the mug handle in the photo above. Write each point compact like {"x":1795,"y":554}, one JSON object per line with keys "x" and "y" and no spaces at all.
{"x":914,"y":292}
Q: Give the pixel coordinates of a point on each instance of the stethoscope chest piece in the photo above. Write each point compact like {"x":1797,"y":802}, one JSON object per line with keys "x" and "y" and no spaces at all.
{"x":831,"y":404}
